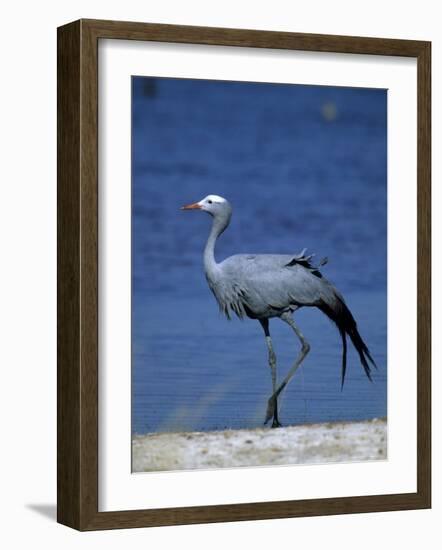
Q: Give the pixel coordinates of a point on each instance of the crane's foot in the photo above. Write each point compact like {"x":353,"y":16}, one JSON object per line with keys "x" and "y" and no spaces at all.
{"x":276,"y":423}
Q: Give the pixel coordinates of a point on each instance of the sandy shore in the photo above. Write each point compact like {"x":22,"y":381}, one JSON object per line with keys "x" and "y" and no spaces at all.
{"x":305,"y":444}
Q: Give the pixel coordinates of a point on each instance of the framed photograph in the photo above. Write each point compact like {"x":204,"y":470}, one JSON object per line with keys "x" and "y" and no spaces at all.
{"x":243,"y":274}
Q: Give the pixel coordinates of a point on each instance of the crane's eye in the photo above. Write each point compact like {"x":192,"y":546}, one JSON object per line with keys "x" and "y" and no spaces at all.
{"x":209,"y":201}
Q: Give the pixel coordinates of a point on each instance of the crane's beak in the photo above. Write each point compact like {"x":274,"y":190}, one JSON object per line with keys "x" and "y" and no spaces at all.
{"x":193,"y":206}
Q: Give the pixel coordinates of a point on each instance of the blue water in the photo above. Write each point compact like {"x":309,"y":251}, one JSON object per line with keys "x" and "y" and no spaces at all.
{"x":303,"y":166}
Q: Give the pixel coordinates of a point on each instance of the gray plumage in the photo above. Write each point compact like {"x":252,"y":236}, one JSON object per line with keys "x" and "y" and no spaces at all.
{"x":263,"y":286}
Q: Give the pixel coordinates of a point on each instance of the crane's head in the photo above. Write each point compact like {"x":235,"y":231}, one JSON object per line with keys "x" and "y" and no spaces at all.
{"x":216,"y":206}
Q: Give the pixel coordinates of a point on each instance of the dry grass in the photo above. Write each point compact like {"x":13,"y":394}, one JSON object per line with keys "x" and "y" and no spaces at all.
{"x":306,"y":444}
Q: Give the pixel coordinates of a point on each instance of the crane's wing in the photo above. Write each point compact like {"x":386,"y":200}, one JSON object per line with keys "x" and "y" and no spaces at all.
{"x":259,"y":284}
{"x":306,"y":261}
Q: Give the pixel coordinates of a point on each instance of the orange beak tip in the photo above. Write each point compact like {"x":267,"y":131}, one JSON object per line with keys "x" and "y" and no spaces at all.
{"x":194,"y":206}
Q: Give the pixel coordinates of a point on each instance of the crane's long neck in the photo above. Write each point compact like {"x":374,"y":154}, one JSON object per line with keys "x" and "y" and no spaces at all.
{"x":210,"y":266}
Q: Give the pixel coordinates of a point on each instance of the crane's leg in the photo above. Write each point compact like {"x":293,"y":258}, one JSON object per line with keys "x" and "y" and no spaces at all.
{"x":272,"y":403}
{"x":272,"y":364}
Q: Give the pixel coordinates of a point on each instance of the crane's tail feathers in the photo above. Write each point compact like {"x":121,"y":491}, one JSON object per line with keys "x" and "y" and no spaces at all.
{"x":344,"y":356}
{"x":338,"y":312}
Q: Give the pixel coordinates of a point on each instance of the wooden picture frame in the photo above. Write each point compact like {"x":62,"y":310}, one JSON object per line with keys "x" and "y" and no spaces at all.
{"x":77,"y":461}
